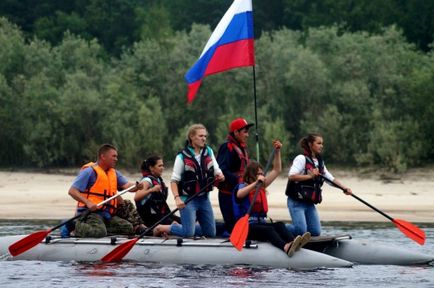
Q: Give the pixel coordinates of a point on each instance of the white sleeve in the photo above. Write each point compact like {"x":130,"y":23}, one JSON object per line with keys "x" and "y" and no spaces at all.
{"x":178,"y":169}
{"x":147,"y":179}
{"x":327,"y":174}
{"x":298,"y":165}
{"x":217,"y":169}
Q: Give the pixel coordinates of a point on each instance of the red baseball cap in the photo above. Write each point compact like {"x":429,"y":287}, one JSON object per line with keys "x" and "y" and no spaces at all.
{"x":239,"y":124}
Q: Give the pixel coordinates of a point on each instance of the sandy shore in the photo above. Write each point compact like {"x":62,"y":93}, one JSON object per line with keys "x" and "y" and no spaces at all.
{"x":411,"y":197}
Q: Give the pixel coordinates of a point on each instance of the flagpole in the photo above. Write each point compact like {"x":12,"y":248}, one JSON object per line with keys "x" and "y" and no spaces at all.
{"x":256,"y":114}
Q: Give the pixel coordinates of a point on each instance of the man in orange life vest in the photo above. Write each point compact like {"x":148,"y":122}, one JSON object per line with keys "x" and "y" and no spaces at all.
{"x":232,"y":158}
{"x":95,"y":183}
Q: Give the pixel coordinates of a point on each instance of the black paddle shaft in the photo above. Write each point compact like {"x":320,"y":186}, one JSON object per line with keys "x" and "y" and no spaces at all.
{"x":173,"y":211}
{"x":358,"y":198}
{"x":258,"y":185}
{"x":72,"y":219}
{"x":87,"y":212}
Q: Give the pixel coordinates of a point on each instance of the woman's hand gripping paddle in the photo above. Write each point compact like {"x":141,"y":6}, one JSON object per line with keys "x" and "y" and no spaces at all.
{"x":241,"y":229}
{"x":410,"y":230}
{"x":120,"y":251}
{"x":35,"y":238}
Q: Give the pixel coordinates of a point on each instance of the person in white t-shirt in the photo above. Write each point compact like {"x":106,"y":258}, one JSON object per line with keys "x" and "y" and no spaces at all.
{"x":195,"y":171}
{"x":304,"y":186}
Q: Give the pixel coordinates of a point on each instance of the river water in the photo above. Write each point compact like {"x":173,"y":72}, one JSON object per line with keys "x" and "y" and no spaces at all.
{"x":72,"y":274}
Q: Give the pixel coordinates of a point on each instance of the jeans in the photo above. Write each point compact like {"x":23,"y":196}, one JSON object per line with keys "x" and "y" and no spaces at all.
{"x":67,"y":228}
{"x":304,"y":217}
{"x":199,"y":209}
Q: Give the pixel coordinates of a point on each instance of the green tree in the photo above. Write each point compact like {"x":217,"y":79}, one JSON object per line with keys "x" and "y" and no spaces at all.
{"x":52,"y":28}
{"x":153,"y":23}
{"x":11,"y":104}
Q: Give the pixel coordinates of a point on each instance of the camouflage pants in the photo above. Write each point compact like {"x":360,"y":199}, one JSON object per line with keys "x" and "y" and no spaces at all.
{"x":128,"y":211}
{"x":95,"y":226}
{"x":123,"y":223}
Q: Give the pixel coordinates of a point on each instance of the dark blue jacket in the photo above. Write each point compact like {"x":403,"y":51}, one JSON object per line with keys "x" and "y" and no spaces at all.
{"x":230,"y":163}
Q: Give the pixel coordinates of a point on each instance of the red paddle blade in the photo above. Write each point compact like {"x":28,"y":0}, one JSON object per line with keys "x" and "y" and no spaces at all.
{"x":239,"y":233}
{"x":410,"y":230}
{"x":119,"y":252}
{"x":28,"y":242}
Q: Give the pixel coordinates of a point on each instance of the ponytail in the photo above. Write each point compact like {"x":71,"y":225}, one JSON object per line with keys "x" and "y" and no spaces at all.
{"x":305,"y":141}
{"x":149,"y":162}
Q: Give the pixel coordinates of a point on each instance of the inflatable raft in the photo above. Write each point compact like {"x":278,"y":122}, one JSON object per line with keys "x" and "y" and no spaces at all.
{"x":322,"y":252}
{"x":367,"y":253}
{"x":174,"y":251}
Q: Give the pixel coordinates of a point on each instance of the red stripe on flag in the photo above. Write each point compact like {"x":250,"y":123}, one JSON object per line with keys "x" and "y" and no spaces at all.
{"x":232,"y":55}
{"x":192,"y":90}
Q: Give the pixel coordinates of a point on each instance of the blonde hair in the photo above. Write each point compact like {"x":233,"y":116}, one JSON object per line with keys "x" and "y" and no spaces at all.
{"x":192,"y":130}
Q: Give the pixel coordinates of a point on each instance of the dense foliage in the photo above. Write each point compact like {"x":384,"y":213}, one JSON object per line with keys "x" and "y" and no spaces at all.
{"x":63,"y":94}
{"x":119,"y":23}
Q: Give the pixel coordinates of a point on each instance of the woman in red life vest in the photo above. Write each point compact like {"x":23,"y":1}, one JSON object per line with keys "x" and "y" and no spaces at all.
{"x":259,"y":228}
{"x":151,"y":200}
{"x":304,"y":186}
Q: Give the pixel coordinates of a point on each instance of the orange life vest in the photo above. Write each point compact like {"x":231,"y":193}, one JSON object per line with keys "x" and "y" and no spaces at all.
{"x":104,"y":187}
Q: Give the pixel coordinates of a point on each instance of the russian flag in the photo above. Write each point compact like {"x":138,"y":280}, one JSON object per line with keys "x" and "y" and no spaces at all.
{"x":230,"y":46}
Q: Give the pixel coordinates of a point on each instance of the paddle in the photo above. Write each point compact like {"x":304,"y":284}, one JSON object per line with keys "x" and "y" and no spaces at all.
{"x":35,"y":238}
{"x":410,"y":230}
{"x":119,"y":252}
{"x":241,"y":228}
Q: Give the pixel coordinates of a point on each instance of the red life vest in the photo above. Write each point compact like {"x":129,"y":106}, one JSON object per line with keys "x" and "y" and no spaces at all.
{"x":309,"y":190}
{"x":105,"y":186}
{"x":153,"y":206}
{"x":240,"y":206}
{"x":261,"y":204}
{"x":244,"y":159}
{"x":157,"y":201}
{"x":233,"y":145}
{"x":196,"y":176}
